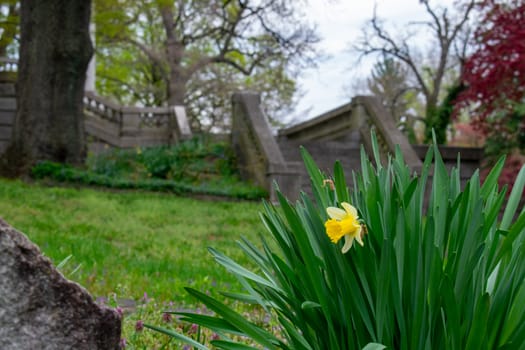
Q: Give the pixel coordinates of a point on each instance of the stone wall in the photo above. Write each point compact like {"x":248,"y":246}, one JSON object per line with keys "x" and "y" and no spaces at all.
{"x":7,"y":112}
{"x":470,"y":157}
{"x":107,"y":123}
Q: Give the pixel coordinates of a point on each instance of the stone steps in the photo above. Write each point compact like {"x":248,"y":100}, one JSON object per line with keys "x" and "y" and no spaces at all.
{"x":325,"y":154}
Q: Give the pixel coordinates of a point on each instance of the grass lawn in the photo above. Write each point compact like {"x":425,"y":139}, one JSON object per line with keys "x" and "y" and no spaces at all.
{"x":132,"y":242}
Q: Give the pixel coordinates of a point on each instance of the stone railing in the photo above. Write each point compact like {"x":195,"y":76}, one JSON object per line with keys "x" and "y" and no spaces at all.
{"x":7,"y":111}
{"x":8,"y":65}
{"x":373,"y":115}
{"x":330,"y":125}
{"x":126,"y":127}
{"x":102,"y":108}
{"x":259,"y":157}
{"x":363,"y":113}
{"x":8,"y":70}
{"x":105,"y":122}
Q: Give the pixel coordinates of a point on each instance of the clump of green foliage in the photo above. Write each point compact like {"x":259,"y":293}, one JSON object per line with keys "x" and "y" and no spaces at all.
{"x":439,"y":118}
{"x":447,"y":274}
{"x":190,"y":167}
{"x":505,"y":132}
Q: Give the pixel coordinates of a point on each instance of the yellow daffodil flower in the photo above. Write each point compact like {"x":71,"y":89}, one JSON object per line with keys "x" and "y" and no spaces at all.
{"x":344,"y":223}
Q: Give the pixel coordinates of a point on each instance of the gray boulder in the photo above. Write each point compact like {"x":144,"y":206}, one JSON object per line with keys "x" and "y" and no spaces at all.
{"x":40,"y":309}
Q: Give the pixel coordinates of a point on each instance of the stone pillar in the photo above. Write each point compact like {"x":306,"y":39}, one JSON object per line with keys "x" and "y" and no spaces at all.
{"x":89,"y":85}
{"x":181,"y":128}
{"x":258,"y":154}
{"x":131,"y":121}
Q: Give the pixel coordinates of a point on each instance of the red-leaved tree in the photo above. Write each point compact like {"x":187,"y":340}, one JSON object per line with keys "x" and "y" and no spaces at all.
{"x":495,"y":73}
{"x":494,"y":76}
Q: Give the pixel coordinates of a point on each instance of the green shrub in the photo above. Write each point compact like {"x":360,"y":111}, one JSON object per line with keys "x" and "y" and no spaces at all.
{"x":189,"y":161}
{"x":159,"y":161}
{"x":220,"y":187}
{"x":447,"y":275}
{"x":113,"y":163}
{"x":190,"y":167}
{"x":505,"y":131}
{"x":46,"y":168}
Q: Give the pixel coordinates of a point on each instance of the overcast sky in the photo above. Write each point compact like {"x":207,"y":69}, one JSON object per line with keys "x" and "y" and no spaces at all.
{"x":339,"y":24}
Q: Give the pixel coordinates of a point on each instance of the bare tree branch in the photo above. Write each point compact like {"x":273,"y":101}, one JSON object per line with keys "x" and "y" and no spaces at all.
{"x":155,"y":57}
{"x":445,"y":30}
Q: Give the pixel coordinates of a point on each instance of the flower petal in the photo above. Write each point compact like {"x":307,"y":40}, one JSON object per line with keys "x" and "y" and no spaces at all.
{"x":350,"y":209}
{"x":336,"y":213}
{"x":349,"y":240}
{"x":359,"y":236}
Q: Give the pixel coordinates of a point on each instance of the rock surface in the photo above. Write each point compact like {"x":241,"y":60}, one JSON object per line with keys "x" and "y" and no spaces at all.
{"x":40,"y":309}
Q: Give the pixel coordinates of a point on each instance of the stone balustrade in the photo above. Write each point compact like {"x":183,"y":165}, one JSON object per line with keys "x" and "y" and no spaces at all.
{"x":8,"y":65}
{"x":106,"y":122}
{"x":127,"y":127}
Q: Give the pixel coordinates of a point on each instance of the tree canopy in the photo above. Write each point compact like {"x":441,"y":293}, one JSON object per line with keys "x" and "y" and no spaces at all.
{"x":494,"y":73}
{"x":494,"y":77}
{"x":197,"y":52}
{"x":9,"y":27}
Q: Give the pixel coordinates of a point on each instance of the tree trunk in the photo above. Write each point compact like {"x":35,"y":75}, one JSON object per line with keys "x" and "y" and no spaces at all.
{"x":431,"y":119}
{"x":176,"y":89}
{"x":177,"y":76}
{"x":175,"y":52}
{"x":55,"y":51}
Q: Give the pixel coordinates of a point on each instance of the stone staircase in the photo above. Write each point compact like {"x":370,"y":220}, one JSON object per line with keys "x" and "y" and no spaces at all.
{"x":335,"y":135}
{"x":325,"y":153}
{"x":339,"y":134}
